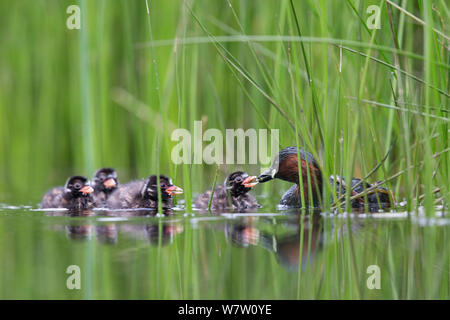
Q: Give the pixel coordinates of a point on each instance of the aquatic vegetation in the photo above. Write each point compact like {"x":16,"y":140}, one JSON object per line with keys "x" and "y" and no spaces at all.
{"x":364,"y":102}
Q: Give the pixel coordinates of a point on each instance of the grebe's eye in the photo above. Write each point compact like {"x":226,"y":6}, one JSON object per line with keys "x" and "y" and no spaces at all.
{"x":163,"y":185}
{"x":238,"y":179}
{"x":77,"y":185}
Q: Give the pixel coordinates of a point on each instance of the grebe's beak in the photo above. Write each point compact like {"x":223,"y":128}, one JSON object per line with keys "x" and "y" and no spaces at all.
{"x":174,"y":190}
{"x":110,"y":183}
{"x":250,"y":182}
{"x":267,"y":175}
{"x":86,"y":190}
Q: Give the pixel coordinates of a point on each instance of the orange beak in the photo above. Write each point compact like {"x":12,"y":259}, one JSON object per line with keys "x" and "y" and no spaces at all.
{"x":250,"y":182}
{"x":174,"y":190}
{"x":86,"y":190}
{"x":110,"y":183}
{"x":251,"y":235}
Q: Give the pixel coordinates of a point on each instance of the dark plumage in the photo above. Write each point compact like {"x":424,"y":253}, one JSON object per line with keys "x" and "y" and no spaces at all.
{"x":285,"y":167}
{"x":376,"y":200}
{"x":143,"y":194}
{"x":237,"y":185}
{"x":105,"y":182}
{"x":76,"y":194}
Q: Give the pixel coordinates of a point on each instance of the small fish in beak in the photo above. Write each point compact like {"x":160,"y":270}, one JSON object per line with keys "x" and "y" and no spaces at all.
{"x":174,"y":190}
{"x":250,"y":182}
{"x":86,"y":190}
{"x":267,"y":175}
{"x":110,"y":183}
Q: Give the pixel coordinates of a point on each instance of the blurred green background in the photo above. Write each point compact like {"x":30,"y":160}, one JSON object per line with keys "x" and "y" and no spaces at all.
{"x":111,"y":93}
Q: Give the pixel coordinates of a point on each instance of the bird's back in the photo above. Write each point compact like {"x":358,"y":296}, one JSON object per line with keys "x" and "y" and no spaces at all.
{"x":126,"y":195}
{"x":220,"y":200}
{"x":53,"y":198}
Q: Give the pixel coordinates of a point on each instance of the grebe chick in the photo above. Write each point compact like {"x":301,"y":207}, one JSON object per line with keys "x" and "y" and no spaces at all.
{"x":144,"y":194}
{"x":76,"y":194}
{"x":105,"y":182}
{"x":233,"y":194}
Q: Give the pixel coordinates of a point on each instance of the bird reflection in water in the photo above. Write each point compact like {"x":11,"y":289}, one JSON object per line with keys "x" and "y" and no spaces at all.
{"x":292,"y":238}
{"x":107,"y":232}
{"x":153,"y":233}
{"x":286,"y":247}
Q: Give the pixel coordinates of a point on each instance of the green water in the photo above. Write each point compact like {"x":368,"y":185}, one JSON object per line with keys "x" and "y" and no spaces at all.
{"x":137,"y":255}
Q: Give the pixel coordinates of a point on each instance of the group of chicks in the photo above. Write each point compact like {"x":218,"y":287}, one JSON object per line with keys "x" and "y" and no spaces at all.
{"x":106,"y":192}
{"x":296,"y":166}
